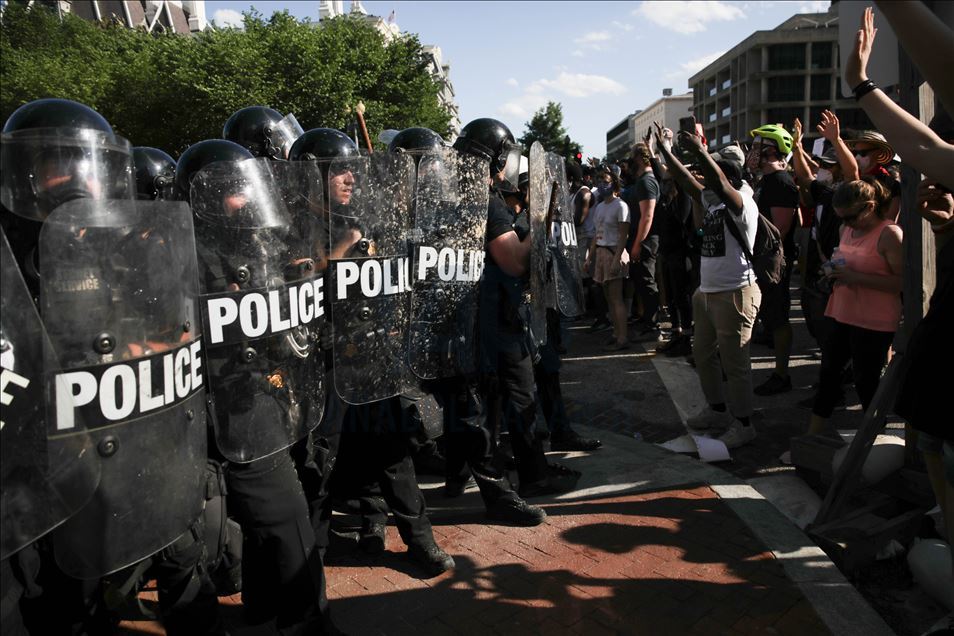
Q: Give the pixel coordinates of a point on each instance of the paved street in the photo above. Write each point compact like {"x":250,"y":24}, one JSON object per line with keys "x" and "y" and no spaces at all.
{"x":652,"y":542}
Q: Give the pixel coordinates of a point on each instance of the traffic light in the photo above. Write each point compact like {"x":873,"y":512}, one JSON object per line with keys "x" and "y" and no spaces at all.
{"x":579,"y":156}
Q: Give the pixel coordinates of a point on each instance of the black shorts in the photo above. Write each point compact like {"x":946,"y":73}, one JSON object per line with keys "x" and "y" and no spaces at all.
{"x":776,"y":302}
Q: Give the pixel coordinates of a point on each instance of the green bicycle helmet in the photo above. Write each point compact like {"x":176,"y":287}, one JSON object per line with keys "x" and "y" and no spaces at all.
{"x":777,"y":134}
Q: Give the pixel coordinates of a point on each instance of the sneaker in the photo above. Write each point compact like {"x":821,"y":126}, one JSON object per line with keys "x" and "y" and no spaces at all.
{"x":710,"y":419}
{"x":559,"y":479}
{"x":737,"y":435}
{"x":616,"y":346}
{"x":371,"y":538}
{"x":571,"y":441}
{"x":774,"y":385}
{"x":516,"y":511}
{"x":600,"y":324}
{"x":431,"y":557}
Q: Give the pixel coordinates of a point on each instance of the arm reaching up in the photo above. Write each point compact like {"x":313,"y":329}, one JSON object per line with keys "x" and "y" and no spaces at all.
{"x":914,"y":141}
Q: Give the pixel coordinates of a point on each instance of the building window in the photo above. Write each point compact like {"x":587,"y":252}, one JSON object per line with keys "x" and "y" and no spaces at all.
{"x":821,"y":55}
{"x":821,"y":87}
{"x":783,"y":116}
{"x":854,"y":119}
{"x":786,"y":57}
{"x":786,"y":89}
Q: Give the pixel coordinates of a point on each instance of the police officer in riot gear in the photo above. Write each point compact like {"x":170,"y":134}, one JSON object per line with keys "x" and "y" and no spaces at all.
{"x":155,"y":174}
{"x":546,"y":370}
{"x":507,"y":347}
{"x":262,"y":131}
{"x":372,"y":436}
{"x":282,"y":573}
{"x":315,"y":460}
{"x":375,"y":459}
{"x":56,"y":152}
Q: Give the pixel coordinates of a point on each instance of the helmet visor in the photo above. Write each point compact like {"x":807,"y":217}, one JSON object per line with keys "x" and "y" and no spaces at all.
{"x":41,"y":169}
{"x":238,"y":194}
{"x":507,"y":168}
{"x":283,"y":134}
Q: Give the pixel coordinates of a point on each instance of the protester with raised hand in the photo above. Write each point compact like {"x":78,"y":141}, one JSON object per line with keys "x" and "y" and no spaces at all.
{"x":727,"y":301}
{"x":918,"y":146}
{"x":830,"y":128}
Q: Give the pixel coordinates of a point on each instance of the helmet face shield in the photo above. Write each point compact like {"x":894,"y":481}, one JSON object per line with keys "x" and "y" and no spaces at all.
{"x":238,"y":194}
{"x":41,"y":169}
{"x":282,"y":135}
{"x":507,"y":168}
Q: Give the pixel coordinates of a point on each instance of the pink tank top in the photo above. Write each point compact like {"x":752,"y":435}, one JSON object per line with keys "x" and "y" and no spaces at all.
{"x":863,"y":306}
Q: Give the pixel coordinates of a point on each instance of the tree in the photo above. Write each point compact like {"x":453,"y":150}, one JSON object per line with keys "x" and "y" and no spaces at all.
{"x":170,"y":91}
{"x":546,"y":126}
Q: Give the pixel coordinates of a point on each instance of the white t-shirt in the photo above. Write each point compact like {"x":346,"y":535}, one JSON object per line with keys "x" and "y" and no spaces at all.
{"x":724,"y":266}
{"x":609,"y":214}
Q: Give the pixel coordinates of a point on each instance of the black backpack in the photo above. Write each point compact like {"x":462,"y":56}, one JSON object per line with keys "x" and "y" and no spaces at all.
{"x":766,"y":256}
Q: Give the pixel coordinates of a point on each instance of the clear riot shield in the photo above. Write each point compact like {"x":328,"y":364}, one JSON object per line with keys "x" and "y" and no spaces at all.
{"x":565,"y":275}
{"x":44,"y":478}
{"x":538,"y":205}
{"x":119,"y":297}
{"x":262,"y":303}
{"x":370,"y":200}
{"x":450,"y":217}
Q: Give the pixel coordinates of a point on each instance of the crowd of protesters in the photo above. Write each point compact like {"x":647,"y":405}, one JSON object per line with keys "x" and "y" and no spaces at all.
{"x":672,"y":228}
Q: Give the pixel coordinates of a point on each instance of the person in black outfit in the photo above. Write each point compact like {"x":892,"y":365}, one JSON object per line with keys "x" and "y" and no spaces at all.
{"x":643,"y":241}
{"x":677,"y":249}
{"x":506,"y":354}
{"x":777,"y":198}
{"x":282,"y":574}
{"x":53,"y":602}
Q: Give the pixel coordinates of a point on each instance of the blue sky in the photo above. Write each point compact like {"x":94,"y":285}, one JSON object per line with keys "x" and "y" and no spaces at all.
{"x":601,"y":60}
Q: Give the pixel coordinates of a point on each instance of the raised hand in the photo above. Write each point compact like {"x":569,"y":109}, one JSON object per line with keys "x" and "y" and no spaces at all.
{"x":829,"y":128}
{"x":856,"y":66}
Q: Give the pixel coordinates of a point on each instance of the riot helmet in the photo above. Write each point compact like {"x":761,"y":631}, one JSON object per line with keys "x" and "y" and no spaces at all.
{"x":491,"y":139}
{"x":201,"y":154}
{"x":155,"y":174}
{"x":416,"y":141}
{"x":263,"y":131}
{"x":325,"y":145}
{"x":228,"y":187}
{"x":57,"y":150}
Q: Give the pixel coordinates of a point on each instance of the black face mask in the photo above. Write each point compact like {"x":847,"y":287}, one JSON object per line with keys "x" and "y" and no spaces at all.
{"x":52,"y":198}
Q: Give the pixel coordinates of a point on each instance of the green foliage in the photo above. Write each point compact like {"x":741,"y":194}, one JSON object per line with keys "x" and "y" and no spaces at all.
{"x":546,"y":126}
{"x":169,"y":91}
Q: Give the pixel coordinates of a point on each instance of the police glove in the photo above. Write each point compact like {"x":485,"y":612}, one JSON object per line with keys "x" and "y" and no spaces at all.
{"x":521,"y":225}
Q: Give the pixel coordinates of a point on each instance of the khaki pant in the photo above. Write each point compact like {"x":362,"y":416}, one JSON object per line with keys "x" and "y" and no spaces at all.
{"x":723,"y":329}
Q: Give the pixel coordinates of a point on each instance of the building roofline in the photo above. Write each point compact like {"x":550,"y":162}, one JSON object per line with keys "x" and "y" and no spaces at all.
{"x":744,"y":44}
{"x":665,"y":98}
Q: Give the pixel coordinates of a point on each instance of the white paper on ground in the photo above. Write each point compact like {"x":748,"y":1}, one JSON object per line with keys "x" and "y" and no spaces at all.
{"x":709,"y":450}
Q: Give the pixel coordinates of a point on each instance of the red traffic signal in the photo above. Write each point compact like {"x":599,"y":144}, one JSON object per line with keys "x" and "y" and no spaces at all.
{"x":579,"y":156}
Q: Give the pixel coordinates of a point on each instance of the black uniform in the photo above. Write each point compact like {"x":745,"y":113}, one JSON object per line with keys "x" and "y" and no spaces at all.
{"x":506,"y":349}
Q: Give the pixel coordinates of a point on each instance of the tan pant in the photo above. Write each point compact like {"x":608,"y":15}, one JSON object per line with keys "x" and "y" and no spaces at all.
{"x":723,"y":329}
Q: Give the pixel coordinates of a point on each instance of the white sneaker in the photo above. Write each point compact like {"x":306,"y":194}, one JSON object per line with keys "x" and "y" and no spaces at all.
{"x":737,"y":435}
{"x":710,"y":419}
